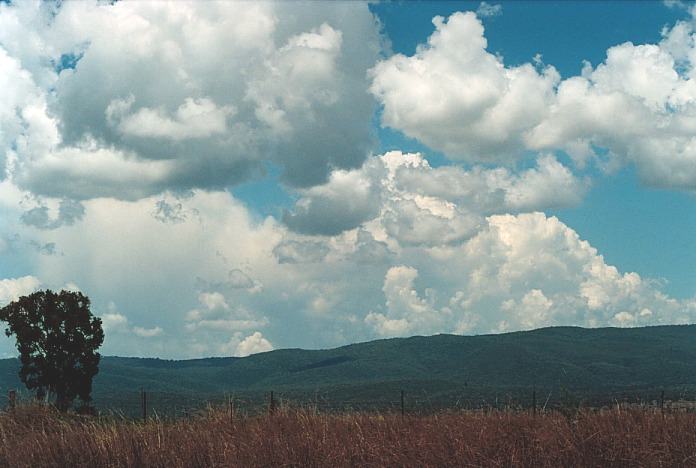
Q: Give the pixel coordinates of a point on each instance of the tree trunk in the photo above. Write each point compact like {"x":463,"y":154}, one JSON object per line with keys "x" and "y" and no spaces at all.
{"x":62,"y":402}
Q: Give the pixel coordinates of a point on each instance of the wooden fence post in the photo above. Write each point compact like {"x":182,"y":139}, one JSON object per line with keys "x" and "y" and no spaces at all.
{"x":12,"y":397}
{"x":402,"y":404}
{"x":231,"y":407}
{"x":662,"y":402}
{"x":271,"y":404}
{"x":534,"y":402}
{"x":143,"y":403}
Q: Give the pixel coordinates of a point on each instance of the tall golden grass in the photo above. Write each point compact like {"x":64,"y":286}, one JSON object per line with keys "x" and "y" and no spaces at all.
{"x":38,"y":437}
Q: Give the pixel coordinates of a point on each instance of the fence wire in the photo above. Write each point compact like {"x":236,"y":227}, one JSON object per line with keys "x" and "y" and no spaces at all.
{"x":168,"y":404}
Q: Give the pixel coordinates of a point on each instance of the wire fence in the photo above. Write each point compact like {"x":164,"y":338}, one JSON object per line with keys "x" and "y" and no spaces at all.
{"x":144,"y":404}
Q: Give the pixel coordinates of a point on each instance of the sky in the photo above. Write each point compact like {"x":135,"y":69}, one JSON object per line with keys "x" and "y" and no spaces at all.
{"x":223,"y":179}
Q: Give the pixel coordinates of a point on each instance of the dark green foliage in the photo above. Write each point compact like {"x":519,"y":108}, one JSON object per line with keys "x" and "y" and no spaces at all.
{"x":568,"y":366}
{"x":57,"y":338}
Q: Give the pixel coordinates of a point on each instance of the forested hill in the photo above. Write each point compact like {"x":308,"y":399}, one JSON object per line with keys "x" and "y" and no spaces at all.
{"x":441,"y":370}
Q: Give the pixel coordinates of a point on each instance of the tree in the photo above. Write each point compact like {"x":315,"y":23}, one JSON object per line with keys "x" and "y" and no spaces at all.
{"x":57,"y":338}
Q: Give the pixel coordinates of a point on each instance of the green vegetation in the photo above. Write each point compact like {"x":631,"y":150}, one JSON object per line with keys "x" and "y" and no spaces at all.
{"x":565,"y":365}
{"x":57,"y":338}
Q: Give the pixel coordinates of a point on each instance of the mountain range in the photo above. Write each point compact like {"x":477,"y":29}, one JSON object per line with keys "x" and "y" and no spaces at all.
{"x":549,"y":366}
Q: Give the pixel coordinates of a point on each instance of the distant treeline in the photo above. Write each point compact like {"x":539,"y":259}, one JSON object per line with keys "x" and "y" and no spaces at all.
{"x":552,"y":367}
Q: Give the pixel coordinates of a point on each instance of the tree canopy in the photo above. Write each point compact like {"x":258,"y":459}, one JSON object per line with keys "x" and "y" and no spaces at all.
{"x":57,"y":338}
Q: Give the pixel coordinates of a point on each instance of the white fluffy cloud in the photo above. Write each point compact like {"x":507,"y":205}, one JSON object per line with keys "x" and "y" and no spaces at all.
{"x":147,"y":332}
{"x":407,"y":313}
{"x":486,"y":9}
{"x":347,"y":200}
{"x":221,"y":282}
{"x":155,"y":271}
{"x":112,"y":321}
{"x":638,"y":106}
{"x":152,"y":102}
{"x":521,"y":272}
{"x":13,"y":288}
{"x":252,"y":344}
{"x":116,"y":325}
{"x":216,"y":314}
{"x":416,"y":204}
{"x":195,"y":118}
{"x":456,"y":97}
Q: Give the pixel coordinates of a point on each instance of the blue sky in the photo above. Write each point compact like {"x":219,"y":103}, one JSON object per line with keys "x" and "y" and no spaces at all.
{"x":345,"y":171}
{"x":565,"y":33}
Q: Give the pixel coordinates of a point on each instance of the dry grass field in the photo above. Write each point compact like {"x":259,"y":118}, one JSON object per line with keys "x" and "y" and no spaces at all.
{"x":38,"y":437}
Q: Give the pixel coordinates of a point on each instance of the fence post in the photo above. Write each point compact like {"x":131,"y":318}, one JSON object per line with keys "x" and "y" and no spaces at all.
{"x":662,"y":402}
{"x":143,"y":403}
{"x":534,"y":402}
{"x":271,"y":404}
{"x":12,"y":397}
{"x":402,"y":404}
{"x":231,"y":407}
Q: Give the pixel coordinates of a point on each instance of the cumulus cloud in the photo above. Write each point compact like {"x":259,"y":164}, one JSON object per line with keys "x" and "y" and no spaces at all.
{"x":521,"y":272}
{"x":195,"y":118}
{"x":156,"y":271}
{"x":147,"y":332}
{"x":675,"y":4}
{"x":93,"y":171}
{"x":549,"y":184}
{"x":458,"y":98}
{"x":253,"y":344}
{"x":17,"y":91}
{"x":217,"y":315}
{"x":407,"y":312}
{"x":515,"y":271}
{"x":177,"y":94}
{"x":239,"y":346}
{"x":114,"y":322}
{"x":429,"y":221}
{"x":347,"y":200}
{"x":370,"y":250}
{"x":219,"y":328}
{"x":636,"y":107}
{"x":530,"y":311}
{"x":485,"y":10}
{"x":416,"y":204}
{"x":12,"y":289}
